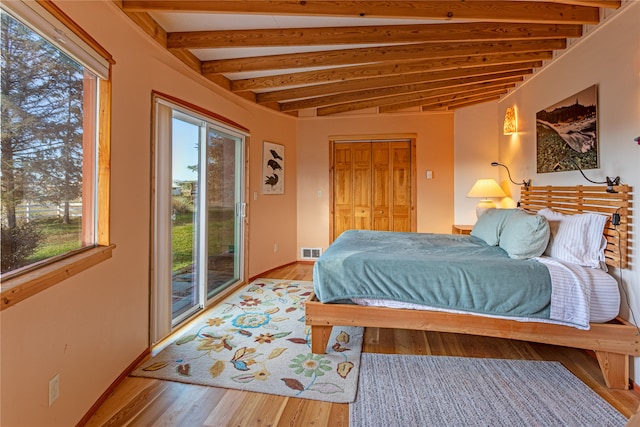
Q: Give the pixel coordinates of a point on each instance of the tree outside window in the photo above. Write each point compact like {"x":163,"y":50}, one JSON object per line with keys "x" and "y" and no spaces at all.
{"x":48,"y":149}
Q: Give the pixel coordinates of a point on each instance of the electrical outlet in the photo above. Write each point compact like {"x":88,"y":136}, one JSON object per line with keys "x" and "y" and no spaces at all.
{"x":54,"y":389}
{"x":275,"y":247}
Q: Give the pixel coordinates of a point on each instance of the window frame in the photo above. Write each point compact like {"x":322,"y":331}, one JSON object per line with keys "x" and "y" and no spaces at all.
{"x":23,"y":284}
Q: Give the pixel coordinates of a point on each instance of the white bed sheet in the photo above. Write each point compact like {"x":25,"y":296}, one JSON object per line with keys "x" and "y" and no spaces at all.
{"x":579,"y":295}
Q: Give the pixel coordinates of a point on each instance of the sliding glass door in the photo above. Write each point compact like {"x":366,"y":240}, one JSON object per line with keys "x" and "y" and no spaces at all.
{"x":199,"y":211}
{"x":185,"y":216}
{"x":224,"y":209}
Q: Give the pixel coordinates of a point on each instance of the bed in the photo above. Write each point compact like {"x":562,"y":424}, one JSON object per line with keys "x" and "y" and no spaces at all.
{"x":611,"y":338}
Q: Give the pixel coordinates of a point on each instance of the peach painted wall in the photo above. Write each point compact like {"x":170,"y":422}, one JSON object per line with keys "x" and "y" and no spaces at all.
{"x":434,"y":133}
{"x":476,"y":146}
{"x":609,"y":57}
{"x":270,"y":215}
{"x":89,"y":328}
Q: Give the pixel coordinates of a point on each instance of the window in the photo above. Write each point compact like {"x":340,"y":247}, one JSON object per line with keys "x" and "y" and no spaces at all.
{"x":54,"y":84}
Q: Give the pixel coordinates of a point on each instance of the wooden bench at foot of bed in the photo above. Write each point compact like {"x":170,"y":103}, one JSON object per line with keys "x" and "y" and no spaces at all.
{"x":612,"y":342}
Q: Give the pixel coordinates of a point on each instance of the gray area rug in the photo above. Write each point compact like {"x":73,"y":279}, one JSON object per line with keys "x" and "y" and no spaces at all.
{"x":402,"y":390}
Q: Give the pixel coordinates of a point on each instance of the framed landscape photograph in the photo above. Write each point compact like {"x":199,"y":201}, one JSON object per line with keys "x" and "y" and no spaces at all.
{"x":272,"y":168}
{"x":568,"y":129}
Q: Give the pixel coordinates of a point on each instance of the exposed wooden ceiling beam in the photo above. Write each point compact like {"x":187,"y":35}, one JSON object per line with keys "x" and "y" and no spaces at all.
{"x":149,"y":26}
{"x":158,"y":34}
{"x":388,"y":81}
{"x":609,"y":4}
{"x":447,"y":101}
{"x":458,"y":96}
{"x":476,"y":31}
{"x":416,"y":99}
{"x":189,"y":58}
{"x":341,"y":98}
{"x":477,"y":10}
{"x":365,"y":71}
{"x":476,"y":50}
{"x":459,"y":103}
{"x":377,"y":54}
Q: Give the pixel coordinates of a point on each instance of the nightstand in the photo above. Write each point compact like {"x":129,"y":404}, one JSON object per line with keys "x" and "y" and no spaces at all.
{"x":461,"y":229}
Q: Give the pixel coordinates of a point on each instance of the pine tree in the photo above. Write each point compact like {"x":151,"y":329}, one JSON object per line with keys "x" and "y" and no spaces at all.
{"x":42,"y":122}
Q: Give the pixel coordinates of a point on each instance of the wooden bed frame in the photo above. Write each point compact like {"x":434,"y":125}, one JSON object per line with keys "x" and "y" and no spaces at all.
{"x":612,"y":342}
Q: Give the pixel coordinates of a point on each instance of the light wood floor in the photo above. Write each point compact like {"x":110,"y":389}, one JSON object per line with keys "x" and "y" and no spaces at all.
{"x":143,"y":402}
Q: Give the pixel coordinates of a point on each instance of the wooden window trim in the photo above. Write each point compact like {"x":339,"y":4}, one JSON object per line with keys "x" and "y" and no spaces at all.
{"x":33,"y":281}
{"x":26,"y":285}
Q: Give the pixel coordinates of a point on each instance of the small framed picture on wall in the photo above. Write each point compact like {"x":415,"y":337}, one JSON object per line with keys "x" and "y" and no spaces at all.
{"x":272,"y":168}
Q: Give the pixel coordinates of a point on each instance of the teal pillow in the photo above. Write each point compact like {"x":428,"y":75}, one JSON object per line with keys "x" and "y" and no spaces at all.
{"x":490,"y":225}
{"x":525,"y":235}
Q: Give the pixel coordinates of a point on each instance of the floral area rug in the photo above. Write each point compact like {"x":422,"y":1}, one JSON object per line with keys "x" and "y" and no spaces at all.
{"x":256,"y":340}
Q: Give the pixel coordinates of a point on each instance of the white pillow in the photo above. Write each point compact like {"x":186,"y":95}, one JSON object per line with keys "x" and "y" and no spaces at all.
{"x":577,"y":238}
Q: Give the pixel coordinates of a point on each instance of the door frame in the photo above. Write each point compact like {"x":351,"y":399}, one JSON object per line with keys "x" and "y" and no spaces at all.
{"x":338,"y":139}
{"x":158,"y":332}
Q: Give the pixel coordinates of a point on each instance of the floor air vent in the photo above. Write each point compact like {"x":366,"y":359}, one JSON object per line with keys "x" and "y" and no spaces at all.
{"x":311,"y":253}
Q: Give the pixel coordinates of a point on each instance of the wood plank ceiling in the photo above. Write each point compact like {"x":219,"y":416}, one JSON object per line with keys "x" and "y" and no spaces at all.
{"x":342,"y":56}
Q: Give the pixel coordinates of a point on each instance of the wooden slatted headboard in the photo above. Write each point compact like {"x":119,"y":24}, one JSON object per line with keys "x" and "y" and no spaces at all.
{"x":583,"y":199}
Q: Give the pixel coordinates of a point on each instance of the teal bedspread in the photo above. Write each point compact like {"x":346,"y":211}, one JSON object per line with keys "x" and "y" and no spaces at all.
{"x":456,"y":272}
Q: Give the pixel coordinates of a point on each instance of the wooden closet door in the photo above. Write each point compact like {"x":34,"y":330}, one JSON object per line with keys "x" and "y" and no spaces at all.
{"x":351,"y":187}
{"x":361,"y":191}
{"x":400,"y":186}
{"x":342,"y":189}
{"x":382,"y":188}
{"x":372,"y":186}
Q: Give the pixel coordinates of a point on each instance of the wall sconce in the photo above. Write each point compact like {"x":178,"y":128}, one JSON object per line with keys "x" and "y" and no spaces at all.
{"x":510,"y":121}
{"x":485,"y":189}
{"x":526,"y":183}
{"x":610,"y":182}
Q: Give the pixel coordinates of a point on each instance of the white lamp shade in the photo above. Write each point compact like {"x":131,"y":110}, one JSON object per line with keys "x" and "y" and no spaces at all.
{"x":484,"y":189}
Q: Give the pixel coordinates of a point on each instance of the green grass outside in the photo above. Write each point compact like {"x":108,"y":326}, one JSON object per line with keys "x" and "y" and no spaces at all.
{"x":59,"y":238}
{"x":220,"y":233}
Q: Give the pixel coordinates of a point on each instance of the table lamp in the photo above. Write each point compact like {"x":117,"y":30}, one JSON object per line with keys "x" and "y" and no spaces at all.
{"x":485,"y":188}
